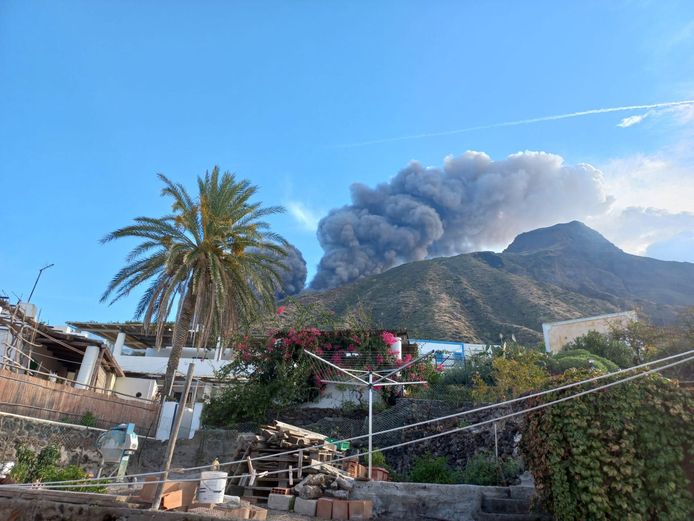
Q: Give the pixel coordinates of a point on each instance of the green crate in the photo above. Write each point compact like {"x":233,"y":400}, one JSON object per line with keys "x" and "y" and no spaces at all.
{"x":343,"y":445}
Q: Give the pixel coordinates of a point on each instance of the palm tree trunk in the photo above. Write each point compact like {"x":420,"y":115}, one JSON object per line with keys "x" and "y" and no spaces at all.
{"x":180,"y":335}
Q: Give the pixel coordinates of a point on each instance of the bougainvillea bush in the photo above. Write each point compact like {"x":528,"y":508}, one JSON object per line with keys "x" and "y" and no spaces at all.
{"x":615,"y":454}
{"x":271,"y":372}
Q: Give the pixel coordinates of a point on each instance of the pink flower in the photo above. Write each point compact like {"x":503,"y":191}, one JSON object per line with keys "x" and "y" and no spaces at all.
{"x":377,"y":387}
{"x":439,"y":368}
{"x":379,"y":359}
{"x":389,"y":338}
{"x":281,"y":309}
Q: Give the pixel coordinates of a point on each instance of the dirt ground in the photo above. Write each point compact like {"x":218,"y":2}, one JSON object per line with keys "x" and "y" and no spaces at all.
{"x":273,"y":515}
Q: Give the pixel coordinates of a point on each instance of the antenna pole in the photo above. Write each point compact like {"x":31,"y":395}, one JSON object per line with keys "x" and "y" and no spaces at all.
{"x":371,"y":416}
{"x":173,"y":437}
{"x":37,"y":280}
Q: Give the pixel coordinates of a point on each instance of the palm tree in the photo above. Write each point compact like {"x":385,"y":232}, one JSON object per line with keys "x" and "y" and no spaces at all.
{"x":213,"y":260}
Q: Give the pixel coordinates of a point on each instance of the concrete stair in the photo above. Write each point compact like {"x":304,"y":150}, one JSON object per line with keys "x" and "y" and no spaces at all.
{"x":510,"y":504}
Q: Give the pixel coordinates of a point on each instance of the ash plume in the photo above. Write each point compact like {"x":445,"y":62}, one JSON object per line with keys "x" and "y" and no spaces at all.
{"x":471,"y":203}
{"x":294,"y":274}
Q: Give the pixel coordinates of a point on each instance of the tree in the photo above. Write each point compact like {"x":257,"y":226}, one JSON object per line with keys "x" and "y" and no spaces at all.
{"x":213,"y":261}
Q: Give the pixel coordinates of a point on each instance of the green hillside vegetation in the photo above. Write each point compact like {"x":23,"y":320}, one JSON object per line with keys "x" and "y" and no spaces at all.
{"x":557,"y":273}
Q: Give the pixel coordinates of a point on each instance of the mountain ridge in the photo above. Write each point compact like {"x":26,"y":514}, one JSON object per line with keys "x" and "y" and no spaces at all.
{"x":555,"y":273}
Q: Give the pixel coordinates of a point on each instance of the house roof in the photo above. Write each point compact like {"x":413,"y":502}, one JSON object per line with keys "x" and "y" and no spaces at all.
{"x":71,"y":347}
{"x":66,"y":346}
{"x":136,"y":336}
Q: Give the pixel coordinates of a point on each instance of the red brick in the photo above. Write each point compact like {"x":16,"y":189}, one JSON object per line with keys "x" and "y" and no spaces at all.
{"x":172,"y":500}
{"x":360,"y":509}
{"x":324,"y":508}
{"x":340,"y":509}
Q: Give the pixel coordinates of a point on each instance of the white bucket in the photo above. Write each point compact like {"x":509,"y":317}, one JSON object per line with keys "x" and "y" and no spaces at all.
{"x":212,"y":487}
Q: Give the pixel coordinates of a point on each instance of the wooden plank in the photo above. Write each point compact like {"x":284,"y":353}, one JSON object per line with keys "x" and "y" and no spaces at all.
{"x":31,"y":396}
{"x":299,"y":430}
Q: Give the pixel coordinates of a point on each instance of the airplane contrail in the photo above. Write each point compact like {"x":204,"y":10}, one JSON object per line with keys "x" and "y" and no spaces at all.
{"x":519,"y":122}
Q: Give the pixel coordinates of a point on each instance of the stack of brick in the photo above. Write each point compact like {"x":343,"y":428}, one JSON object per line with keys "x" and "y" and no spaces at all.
{"x":323,"y":508}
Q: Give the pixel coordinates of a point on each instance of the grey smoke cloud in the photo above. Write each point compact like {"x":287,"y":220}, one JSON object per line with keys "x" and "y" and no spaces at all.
{"x":294,"y":276}
{"x":471,"y":203}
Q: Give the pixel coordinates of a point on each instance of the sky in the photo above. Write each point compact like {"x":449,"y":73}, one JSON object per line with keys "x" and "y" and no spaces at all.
{"x":306,"y":98}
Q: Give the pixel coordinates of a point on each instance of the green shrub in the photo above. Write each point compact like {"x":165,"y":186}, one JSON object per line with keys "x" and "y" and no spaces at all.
{"x":479,"y":364}
{"x":428,"y":469}
{"x":349,"y":407}
{"x":581,"y":359}
{"x":482,"y":469}
{"x":88,"y":419}
{"x":601,"y":345}
{"x":72,"y":472}
{"x":30,"y":467}
{"x":378,"y":459}
{"x":25,"y":464}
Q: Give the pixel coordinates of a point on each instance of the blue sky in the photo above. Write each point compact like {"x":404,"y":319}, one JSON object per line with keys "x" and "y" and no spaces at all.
{"x":97,"y":97}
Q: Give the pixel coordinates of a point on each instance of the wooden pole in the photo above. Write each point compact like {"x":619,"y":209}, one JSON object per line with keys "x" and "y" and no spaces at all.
{"x":173,"y":437}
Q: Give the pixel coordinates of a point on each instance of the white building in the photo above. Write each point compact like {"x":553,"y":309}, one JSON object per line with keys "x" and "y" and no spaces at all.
{"x":558,"y":334}
{"x":145,"y":367}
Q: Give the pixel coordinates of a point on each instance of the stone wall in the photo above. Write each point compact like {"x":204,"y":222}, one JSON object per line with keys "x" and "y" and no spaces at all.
{"x":202,"y":449}
{"x":33,"y":505}
{"x":397,"y":501}
{"x":78,"y":445}
{"x":458,"y":447}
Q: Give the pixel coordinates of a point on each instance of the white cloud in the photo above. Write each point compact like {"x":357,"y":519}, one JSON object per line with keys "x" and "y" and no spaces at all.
{"x":659,"y":180}
{"x":303,"y":215}
{"x":632,"y":120}
{"x":648,"y":231}
{"x":681,"y":115}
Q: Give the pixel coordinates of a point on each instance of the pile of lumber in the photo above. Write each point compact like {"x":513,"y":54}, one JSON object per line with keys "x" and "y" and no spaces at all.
{"x":271,"y":441}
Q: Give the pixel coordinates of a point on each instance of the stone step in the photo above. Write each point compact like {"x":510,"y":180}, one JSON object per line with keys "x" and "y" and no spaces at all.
{"x":500,"y":505}
{"x":502,"y":492}
{"x":533,"y":516}
{"x":522,"y":492}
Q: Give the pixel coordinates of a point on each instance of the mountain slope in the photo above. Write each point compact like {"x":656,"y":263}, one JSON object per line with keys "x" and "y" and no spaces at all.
{"x":564,"y":271}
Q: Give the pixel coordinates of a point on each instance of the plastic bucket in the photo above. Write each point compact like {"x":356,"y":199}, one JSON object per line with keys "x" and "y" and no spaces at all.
{"x":212,"y":486}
